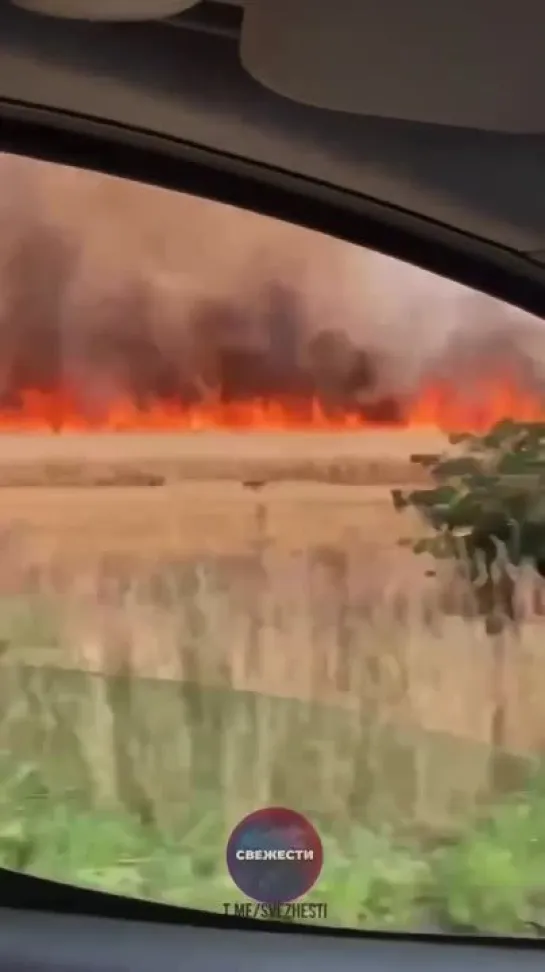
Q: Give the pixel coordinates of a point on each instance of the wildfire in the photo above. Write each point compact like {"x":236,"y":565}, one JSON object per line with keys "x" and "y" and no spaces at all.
{"x":438,"y":406}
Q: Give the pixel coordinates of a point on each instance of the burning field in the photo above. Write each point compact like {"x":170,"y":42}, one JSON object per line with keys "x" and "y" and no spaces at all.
{"x":202,"y":414}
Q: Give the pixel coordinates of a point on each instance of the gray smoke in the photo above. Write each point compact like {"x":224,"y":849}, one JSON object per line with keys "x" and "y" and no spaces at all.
{"x":109,"y":286}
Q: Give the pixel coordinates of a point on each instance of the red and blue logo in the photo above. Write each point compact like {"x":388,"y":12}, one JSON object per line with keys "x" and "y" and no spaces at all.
{"x":275,"y":855}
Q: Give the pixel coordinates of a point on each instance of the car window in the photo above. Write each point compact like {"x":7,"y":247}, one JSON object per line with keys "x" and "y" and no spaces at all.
{"x":271,"y":558}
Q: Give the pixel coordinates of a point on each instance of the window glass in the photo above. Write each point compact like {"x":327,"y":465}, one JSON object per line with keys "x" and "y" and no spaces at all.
{"x":247,"y":561}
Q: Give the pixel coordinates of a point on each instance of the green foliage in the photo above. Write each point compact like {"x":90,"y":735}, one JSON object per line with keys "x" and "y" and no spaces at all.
{"x":488,"y":502}
{"x":493,"y":877}
{"x":490,"y":878}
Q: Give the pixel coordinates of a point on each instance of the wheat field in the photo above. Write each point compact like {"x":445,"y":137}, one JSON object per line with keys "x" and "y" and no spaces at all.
{"x":296,"y":579}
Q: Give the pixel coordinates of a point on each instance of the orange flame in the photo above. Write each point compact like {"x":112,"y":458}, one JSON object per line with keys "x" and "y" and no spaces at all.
{"x":438,"y":406}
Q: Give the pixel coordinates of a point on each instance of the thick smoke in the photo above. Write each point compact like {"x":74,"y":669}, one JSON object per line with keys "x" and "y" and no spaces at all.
{"x":109,"y":287}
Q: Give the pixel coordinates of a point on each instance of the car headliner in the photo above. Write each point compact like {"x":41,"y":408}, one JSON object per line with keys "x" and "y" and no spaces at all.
{"x":190,"y":86}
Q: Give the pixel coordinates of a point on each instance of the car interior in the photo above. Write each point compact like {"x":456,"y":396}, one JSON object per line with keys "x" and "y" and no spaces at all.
{"x":416,"y":130}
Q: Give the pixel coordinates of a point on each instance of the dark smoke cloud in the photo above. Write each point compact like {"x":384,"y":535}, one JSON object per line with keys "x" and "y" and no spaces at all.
{"x":109,"y":286}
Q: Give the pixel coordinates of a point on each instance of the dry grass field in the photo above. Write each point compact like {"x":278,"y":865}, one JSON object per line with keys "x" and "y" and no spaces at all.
{"x":295,"y":588}
{"x":174,"y":495}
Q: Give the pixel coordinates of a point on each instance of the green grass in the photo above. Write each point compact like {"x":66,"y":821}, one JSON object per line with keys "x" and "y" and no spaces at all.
{"x":178,"y":765}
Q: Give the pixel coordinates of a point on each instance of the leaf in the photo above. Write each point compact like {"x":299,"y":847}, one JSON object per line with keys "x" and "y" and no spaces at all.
{"x":458,"y":438}
{"x":422,"y":546}
{"x":463,"y":466}
{"x":399,"y":499}
{"x":426,"y":460}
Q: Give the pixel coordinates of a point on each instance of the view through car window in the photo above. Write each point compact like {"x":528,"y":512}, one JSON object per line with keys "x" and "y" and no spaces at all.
{"x":272,"y":544}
